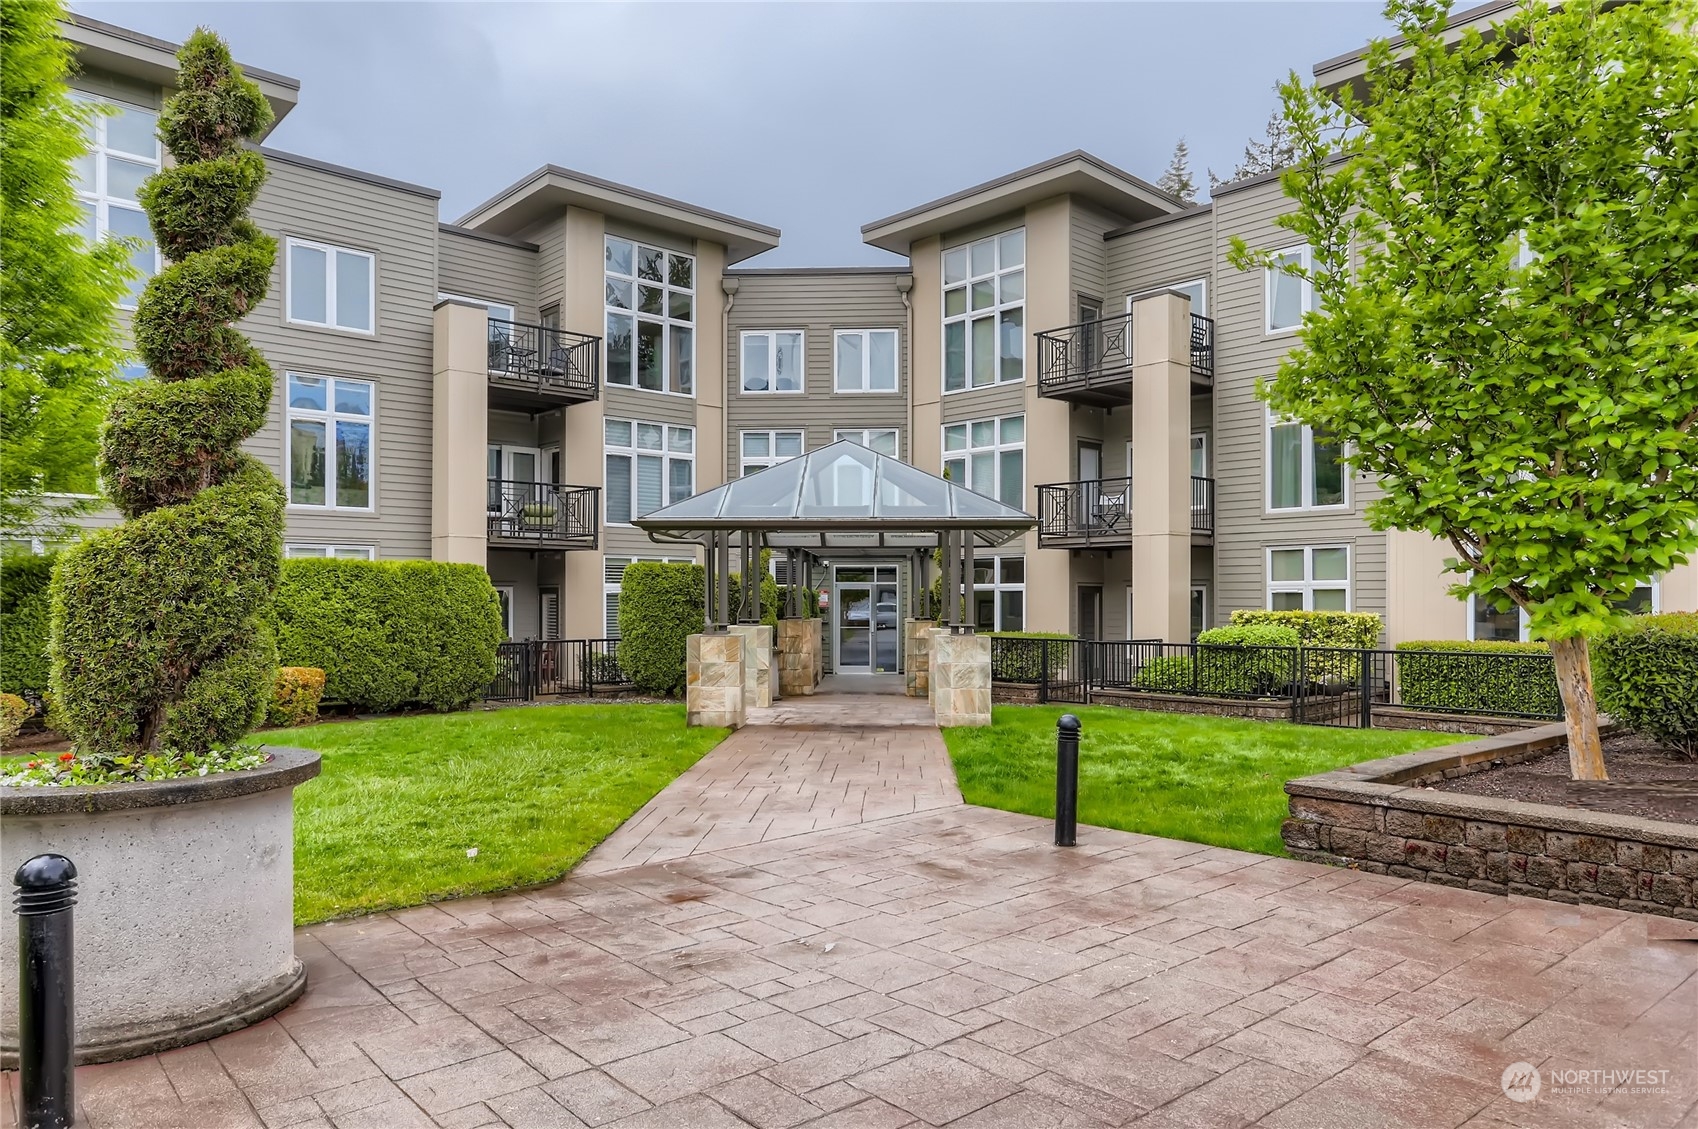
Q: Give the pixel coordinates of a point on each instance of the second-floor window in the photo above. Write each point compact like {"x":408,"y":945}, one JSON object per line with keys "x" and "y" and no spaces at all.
{"x":649,"y":465}
{"x":1288,"y":297}
{"x":773,"y":361}
{"x":865,"y":360}
{"x":331,"y":286}
{"x":330,"y":442}
{"x":988,"y":456}
{"x":123,"y":151}
{"x":651,"y":314}
{"x":762,"y":449}
{"x":1305,"y":467}
{"x":880,"y":439}
{"x":984,"y":312}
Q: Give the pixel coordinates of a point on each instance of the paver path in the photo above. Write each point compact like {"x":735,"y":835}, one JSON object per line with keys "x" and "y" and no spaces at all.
{"x":941,"y":966}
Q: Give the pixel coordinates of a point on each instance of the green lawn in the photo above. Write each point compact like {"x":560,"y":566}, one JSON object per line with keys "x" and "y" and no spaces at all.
{"x":401,"y":800}
{"x":1204,"y":779}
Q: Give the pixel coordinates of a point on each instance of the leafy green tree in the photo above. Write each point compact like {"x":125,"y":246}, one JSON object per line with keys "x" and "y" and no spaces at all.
{"x":59,"y":346}
{"x":1512,"y":351}
{"x":159,"y":641}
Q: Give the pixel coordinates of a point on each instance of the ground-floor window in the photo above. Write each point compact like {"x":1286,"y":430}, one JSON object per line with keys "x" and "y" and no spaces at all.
{"x":1487,"y":623}
{"x":1313,"y":578}
{"x":999,"y":593}
{"x":340,"y":552}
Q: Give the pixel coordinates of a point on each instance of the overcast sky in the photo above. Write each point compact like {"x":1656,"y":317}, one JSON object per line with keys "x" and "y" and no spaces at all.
{"x":814,"y":118}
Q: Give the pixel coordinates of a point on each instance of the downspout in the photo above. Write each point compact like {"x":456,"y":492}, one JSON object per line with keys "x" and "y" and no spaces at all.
{"x":904,"y":284}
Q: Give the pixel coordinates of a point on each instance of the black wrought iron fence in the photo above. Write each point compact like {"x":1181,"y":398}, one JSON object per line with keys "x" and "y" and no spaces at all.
{"x":1334,"y":686}
{"x":541,"y":668}
{"x":554,"y":360}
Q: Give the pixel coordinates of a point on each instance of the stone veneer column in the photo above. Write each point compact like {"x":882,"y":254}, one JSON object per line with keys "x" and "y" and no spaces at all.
{"x":961,"y":679}
{"x":757,"y":663}
{"x":917,"y":656}
{"x":795,"y":657}
{"x":713,"y":672}
{"x":816,"y":647}
{"x":1161,"y":468}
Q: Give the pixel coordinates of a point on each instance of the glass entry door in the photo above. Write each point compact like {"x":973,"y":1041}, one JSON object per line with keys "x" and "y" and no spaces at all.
{"x":868,"y":623}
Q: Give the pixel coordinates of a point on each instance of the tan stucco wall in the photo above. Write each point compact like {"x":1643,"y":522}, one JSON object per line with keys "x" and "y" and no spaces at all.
{"x":926,"y":359}
{"x":1418,"y":603}
{"x":459,"y":430}
{"x":1680,"y":588}
{"x":581,"y":305}
{"x":1049,"y":301}
{"x":1161,"y":468}
{"x":710,"y":366}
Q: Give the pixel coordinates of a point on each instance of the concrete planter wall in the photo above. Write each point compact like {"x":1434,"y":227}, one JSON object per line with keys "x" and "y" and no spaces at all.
{"x":185,"y":903}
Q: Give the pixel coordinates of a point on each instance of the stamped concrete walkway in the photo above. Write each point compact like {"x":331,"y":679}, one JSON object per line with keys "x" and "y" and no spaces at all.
{"x":810,"y":929}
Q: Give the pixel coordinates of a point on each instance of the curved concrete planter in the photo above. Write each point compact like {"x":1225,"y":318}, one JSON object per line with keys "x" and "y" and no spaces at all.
{"x":185,"y":903}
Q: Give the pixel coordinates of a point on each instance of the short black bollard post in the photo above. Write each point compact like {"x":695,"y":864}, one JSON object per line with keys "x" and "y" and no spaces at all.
{"x":1067,"y":781}
{"x":47,"y":890}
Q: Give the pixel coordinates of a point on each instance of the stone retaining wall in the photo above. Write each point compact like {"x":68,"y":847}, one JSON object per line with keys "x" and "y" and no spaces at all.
{"x":1379,"y":817}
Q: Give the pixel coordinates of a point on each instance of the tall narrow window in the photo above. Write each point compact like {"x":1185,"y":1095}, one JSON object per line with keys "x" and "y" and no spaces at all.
{"x":865,"y":360}
{"x":650,"y":300}
{"x":773,"y":361}
{"x":331,"y":286}
{"x":1288,"y":297}
{"x":999,"y":593}
{"x":330,"y":442}
{"x":649,"y":465}
{"x":984,"y":312}
{"x":1305,"y":467}
{"x":988,"y":456}
{"x":123,"y":151}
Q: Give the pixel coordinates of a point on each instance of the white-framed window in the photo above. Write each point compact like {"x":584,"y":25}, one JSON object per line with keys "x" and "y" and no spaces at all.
{"x":1309,"y":578}
{"x":880,"y":439}
{"x":984,"y":312}
{"x":649,"y":465}
{"x":774,"y":360}
{"x":1197,"y":290}
{"x":651,"y":316}
{"x":123,"y":151}
{"x":1287,"y":298}
{"x":1486,"y":623}
{"x":612,"y":576}
{"x":338,"y":552}
{"x":864,"y":360}
{"x":999,"y":593}
{"x":761,"y":449}
{"x":331,"y":437}
{"x":332,"y":287}
{"x":988,"y":456}
{"x":1199,"y":454}
{"x":1305,"y":468}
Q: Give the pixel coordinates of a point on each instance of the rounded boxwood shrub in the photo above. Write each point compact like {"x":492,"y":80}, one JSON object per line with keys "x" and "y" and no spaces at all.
{"x":159,"y":639}
{"x":14,"y":711}
{"x":24,"y":621}
{"x":1507,"y":678}
{"x":295,"y":697}
{"x":390,"y":633}
{"x":1247,"y":660}
{"x":1647,"y":677}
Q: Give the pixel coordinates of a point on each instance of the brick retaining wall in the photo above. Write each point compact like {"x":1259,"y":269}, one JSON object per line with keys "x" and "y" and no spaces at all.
{"x":1378,"y":817}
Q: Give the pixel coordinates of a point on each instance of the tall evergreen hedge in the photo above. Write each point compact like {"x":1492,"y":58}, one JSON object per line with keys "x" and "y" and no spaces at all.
{"x":24,"y":607}
{"x":1648,"y":677}
{"x":390,"y":633}
{"x":660,"y":607}
{"x":159,"y":641}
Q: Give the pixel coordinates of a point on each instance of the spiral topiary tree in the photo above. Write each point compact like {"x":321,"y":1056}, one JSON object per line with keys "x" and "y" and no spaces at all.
{"x":159,"y":645}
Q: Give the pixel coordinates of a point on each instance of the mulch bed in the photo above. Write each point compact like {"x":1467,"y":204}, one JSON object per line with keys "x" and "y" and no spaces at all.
{"x":1646,"y":780}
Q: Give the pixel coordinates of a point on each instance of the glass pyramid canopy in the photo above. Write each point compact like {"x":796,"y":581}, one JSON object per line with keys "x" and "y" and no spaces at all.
{"x":844,"y":495}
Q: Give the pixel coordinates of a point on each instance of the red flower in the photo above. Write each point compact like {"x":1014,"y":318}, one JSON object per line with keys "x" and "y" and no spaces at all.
{"x":33,"y":764}
{"x":67,"y":756}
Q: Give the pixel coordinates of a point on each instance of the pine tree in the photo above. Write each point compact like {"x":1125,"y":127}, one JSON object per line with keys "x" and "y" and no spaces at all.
{"x":1274,"y":150}
{"x":59,"y":349}
{"x":159,"y":641}
{"x":1177,"y":180}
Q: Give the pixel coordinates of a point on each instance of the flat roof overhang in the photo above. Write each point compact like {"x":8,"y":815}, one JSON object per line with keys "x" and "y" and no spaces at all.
{"x":119,"y":50}
{"x":551,"y":189}
{"x":1072,"y":174}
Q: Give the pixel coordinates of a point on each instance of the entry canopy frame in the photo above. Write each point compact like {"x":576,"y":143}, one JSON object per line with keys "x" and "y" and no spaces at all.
{"x":841,"y":500}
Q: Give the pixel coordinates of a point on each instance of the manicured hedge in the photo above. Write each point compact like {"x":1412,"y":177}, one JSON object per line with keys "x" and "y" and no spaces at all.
{"x":1646,"y":674}
{"x":1514,"y":679}
{"x":1359,"y":630}
{"x":660,"y":606}
{"x":24,"y":617}
{"x":390,"y":633}
{"x":1245,"y":661}
{"x":1018,"y":656}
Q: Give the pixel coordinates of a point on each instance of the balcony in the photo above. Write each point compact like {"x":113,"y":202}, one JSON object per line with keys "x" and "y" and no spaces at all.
{"x":1097,"y":514}
{"x":1091,"y":363}
{"x":543,"y":515}
{"x":533,"y":368}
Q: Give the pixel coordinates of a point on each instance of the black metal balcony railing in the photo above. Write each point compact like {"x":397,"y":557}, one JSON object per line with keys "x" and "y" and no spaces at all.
{"x":552,"y":361}
{"x":1096,"y":511}
{"x":543,"y":514}
{"x":1202,"y":346}
{"x":1202,"y":506}
{"x":1093,"y":357}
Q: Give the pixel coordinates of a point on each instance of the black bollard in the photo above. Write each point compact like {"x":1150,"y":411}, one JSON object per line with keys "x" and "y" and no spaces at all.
{"x":1066,"y":781}
{"x":47,"y":890}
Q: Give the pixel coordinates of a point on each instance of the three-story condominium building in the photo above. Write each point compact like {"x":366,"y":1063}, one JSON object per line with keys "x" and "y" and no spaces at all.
{"x":514,"y":387}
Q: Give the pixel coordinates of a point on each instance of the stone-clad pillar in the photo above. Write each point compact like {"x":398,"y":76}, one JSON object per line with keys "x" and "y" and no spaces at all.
{"x":795,"y":657}
{"x":917,"y":656}
{"x":757,"y":663}
{"x":961,"y":679}
{"x":713,"y":670}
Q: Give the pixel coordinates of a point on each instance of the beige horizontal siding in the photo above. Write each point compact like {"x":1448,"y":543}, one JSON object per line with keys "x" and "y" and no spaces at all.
{"x":489,"y":271}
